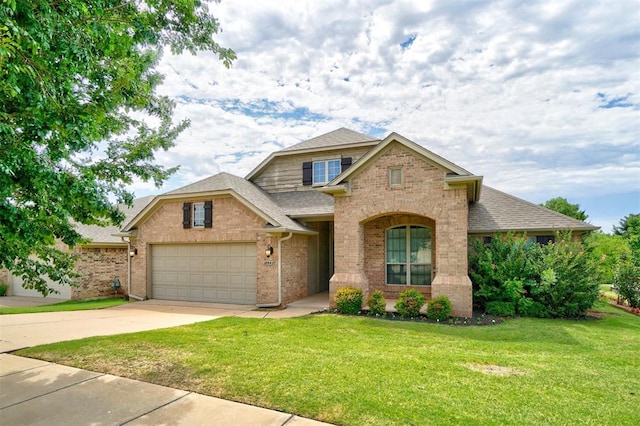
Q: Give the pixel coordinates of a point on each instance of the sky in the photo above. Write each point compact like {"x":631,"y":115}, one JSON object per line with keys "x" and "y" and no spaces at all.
{"x":541,"y":98}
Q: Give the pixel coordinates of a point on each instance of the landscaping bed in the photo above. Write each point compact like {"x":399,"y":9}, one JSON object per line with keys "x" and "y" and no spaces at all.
{"x":478,"y":318}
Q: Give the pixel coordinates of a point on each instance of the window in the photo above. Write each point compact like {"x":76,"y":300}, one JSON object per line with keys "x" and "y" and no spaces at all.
{"x":395,"y":176}
{"x":545,"y":239}
{"x":198,"y":215}
{"x":325,"y":171}
{"x":408,"y":255}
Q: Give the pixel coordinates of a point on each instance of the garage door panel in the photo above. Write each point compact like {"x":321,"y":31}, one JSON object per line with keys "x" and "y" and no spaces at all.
{"x":224,"y":273}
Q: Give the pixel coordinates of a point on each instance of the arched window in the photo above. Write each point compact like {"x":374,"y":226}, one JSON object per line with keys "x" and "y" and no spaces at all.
{"x":408,"y":255}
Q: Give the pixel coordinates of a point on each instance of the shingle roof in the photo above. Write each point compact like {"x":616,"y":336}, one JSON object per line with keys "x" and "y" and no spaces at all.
{"x":99,"y":234}
{"x":247,"y":190}
{"x":341,"y":136}
{"x":304,"y":203}
{"x":497,"y":211}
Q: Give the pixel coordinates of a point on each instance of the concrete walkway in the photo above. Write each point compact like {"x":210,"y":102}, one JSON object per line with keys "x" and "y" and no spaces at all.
{"x":34,"y":392}
{"x":41,"y":393}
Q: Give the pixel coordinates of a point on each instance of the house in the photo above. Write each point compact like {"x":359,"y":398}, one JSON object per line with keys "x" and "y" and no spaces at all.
{"x":341,"y":209}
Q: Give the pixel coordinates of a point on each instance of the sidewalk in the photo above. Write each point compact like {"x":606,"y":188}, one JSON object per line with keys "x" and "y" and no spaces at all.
{"x":36,"y":392}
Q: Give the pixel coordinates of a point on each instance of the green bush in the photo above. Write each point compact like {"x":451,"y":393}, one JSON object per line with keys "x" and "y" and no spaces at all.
{"x":501,"y":269}
{"x":348,"y":300}
{"x":627,"y":280}
{"x":3,"y":289}
{"x":439,"y":308}
{"x":513,"y":274}
{"x":565,"y":282}
{"x":377,"y":304}
{"x":409,"y":303}
{"x":529,"y":308}
{"x":501,"y":309}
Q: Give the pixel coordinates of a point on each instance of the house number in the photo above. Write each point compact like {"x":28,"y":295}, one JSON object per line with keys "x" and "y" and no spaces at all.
{"x":269,"y":262}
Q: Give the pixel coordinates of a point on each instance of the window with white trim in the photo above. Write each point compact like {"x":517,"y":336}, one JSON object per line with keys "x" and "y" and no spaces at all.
{"x":325,"y":171}
{"x":408,"y":255}
{"x":395,"y":176}
{"x":198,"y":215}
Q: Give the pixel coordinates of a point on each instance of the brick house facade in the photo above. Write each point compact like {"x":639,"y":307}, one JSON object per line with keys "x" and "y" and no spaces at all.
{"x":339,"y":209}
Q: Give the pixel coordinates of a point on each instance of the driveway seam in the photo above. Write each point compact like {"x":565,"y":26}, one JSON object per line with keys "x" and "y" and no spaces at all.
{"x":156,"y":409}
{"x":53,"y":391}
{"x":286,"y":422}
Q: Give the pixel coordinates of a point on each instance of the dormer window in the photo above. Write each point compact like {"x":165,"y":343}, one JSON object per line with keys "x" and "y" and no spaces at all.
{"x":325,"y":171}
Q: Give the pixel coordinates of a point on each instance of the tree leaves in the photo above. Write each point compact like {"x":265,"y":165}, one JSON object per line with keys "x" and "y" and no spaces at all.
{"x":80,"y":118}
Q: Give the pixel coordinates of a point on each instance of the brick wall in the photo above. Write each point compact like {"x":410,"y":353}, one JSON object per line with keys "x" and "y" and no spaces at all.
{"x":421,"y":197}
{"x":232,"y":222}
{"x":98,"y":267}
{"x":294,"y":269}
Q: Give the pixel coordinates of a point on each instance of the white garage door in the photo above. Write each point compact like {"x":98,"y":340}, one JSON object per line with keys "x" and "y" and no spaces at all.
{"x":18,"y":290}
{"x":222,"y":273}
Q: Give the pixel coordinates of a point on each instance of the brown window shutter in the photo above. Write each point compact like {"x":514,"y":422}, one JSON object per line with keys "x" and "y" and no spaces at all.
{"x":186,"y":215}
{"x":345,"y":163}
{"x":208,"y":214}
{"x":307,"y":173}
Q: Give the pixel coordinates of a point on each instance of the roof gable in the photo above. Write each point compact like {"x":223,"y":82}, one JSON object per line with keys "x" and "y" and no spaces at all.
{"x":227,"y":184}
{"x":454,"y":174}
{"x":340,"y":138}
{"x":497,"y":211}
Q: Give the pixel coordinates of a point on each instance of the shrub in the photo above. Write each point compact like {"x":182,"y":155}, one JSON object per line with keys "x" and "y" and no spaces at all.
{"x":3,"y":289}
{"x":529,"y":308}
{"x":501,"y":309}
{"x":348,"y":300}
{"x":565,"y":283}
{"x":553,"y":280}
{"x":377,"y":304}
{"x":409,"y":303}
{"x":627,"y":280}
{"x":439,"y":308}
{"x":501,"y":269}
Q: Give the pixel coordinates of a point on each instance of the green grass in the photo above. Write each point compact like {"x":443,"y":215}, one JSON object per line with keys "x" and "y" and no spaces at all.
{"x":68,"y":305}
{"x":362,"y":371}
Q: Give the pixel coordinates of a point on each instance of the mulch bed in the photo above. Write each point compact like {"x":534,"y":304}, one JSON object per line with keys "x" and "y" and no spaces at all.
{"x":478,"y":318}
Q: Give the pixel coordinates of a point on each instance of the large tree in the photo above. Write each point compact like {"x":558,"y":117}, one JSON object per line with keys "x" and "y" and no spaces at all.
{"x":80,"y":118}
{"x":562,"y":205}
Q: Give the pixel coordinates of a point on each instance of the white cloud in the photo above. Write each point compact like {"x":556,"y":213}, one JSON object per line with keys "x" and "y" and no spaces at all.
{"x":540,"y":97}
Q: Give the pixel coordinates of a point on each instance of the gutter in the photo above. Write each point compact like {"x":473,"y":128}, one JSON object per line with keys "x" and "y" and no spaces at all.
{"x":273,"y":305}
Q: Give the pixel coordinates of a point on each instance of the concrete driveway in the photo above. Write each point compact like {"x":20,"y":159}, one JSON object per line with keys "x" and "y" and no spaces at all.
{"x":41,"y":393}
{"x":24,"y":330}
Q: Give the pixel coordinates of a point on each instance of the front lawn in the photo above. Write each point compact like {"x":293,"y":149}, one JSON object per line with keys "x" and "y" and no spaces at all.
{"x":67,"y":305}
{"x":362,"y":371}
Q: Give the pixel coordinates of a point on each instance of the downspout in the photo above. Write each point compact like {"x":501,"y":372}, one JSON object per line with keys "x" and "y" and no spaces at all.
{"x":273,"y":305}
{"x":131,"y":296}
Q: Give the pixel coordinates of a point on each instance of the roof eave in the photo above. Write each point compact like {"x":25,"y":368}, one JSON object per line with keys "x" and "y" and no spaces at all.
{"x":473,"y":184}
{"x":340,"y":189}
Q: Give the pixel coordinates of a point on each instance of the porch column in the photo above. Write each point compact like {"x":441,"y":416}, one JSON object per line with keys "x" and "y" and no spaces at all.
{"x":348,"y":256}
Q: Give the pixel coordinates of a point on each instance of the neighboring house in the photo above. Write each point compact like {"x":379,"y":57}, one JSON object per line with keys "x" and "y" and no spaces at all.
{"x":341,"y":209}
{"x":99,"y":262}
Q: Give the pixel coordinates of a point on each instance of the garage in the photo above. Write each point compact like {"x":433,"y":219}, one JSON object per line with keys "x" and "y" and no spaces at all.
{"x":222,"y":273}
{"x":17,"y":289}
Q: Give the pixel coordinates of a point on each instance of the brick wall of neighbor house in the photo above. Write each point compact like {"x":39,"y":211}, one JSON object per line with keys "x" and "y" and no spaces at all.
{"x":99,"y":266}
{"x":374,"y":252}
{"x":285,"y":173}
{"x":4,"y":276}
{"x":232,"y":222}
{"x":421,"y":194}
{"x":294,"y":269}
